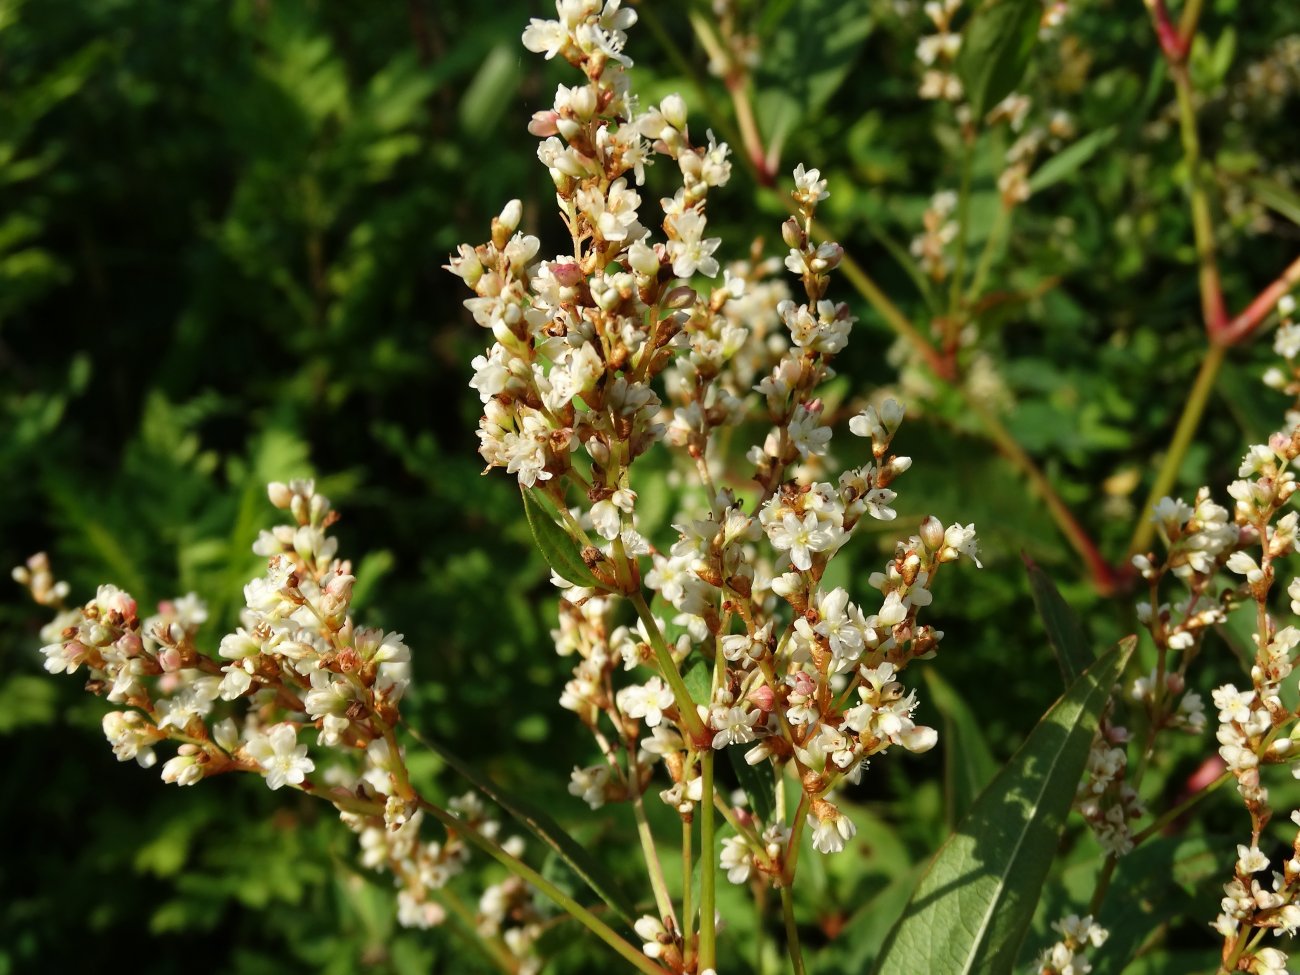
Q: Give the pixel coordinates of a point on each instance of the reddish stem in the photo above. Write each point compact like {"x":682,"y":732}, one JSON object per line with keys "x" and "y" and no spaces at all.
{"x":1172,"y":43}
{"x":1240,"y":328}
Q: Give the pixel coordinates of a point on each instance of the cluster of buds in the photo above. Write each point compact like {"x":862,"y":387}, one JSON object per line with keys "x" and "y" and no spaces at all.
{"x":937,"y":53}
{"x":930,"y":247}
{"x":297,"y":663}
{"x":1107,"y":802}
{"x":605,"y":351}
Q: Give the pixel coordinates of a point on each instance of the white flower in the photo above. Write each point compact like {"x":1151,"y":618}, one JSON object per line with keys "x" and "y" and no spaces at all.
{"x":281,"y":757}
{"x":646,"y":701}
{"x":736,"y":858}
{"x":1243,"y":564}
{"x":800,"y":537}
{"x":689,"y":251}
{"x":1233,"y":705}
{"x":831,"y":832}
{"x":735,"y":726}
{"x":590,"y":784}
{"x":1250,"y":859}
{"x":809,"y":184}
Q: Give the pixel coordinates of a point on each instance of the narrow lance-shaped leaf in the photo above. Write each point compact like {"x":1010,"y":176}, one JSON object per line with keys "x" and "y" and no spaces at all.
{"x":995,"y":49}
{"x":1277,"y":197}
{"x":546,"y":829}
{"x":558,"y":547}
{"x":974,"y":904}
{"x":968,"y":764}
{"x":1064,"y":631}
{"x":1071,"y":159}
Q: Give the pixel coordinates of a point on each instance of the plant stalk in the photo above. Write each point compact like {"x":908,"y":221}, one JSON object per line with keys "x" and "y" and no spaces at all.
{"x":1193,"y":409}
{"x":526,"y":873}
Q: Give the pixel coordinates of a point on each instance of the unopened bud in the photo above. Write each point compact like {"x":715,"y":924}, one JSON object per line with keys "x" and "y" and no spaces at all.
{"x":932,"y":533}
{"x":792,"y":234}
{"x":673,"y":109}
{"x":643,"y":259}
{"x":510,"y":215}
{"x":279,"y":494}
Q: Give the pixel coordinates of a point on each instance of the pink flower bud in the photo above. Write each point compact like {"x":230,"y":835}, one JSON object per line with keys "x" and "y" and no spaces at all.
{"x":567,"y":274}
{"x":543,"y":124}
{"x":763,"y":698}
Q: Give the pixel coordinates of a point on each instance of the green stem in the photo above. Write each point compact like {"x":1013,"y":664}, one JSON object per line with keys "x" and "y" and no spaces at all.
{"x":688,"y":900}
{"x":796,"y":836}
{"x":1187,"y":23}
{"x":1193,"y":409}
{"x":791,"y":930}
{"x":663,"y":901}
{"x":526,"y":873}
{"x":708,"y":868}
{"x":685,"y":706}
{"x":959,"y":246}
{"x":1103,"y":884}
{"x":1170,"y":815}
{"x":493,"y":947}
{"x":898,"y":323}
{"x":1212,"y":307}
{"x":1001,"y":224}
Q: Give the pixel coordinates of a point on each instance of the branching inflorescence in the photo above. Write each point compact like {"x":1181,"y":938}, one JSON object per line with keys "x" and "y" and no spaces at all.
{"x":610,"y":349}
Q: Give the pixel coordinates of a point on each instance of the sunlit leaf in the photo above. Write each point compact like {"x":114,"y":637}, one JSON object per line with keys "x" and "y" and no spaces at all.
{"x":557,"y":546}
{"x":973,"y":906}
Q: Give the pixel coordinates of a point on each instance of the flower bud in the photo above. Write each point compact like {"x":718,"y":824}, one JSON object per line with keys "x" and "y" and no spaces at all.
{"x":279,"y":494}
{"x":932,"y":533}
{"x":510,"y":215}
{"x":643,"y":259}
{"x":792,"y":234}
{"x":673,"y":109}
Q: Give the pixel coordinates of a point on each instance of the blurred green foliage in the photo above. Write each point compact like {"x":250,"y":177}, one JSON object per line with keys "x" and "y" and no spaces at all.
{"x":221,"y":225}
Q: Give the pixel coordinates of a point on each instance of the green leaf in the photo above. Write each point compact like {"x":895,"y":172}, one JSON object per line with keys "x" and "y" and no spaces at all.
{"x":1064,"y":631}
{"x":541,"y":825}
{"x":558,"y":547}
{"x":698,"y":678}
{"x":806,"y":58}
{"x":1071,"y":159}
{"x":757,"y":780}
{"x":995,"y":49}
{"x":1277,"y":198}
{"x":491,"y":91}
{"x":975,"y":902}
{"x":1154,"y":885}
{"x":968,"y":764}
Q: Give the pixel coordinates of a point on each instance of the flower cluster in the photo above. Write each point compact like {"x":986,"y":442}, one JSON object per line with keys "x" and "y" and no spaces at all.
{"x":607,"y":350}
{"x":938,"y":51}
{"x":1251,"y":543}
{"x":297,"y":663}
{"x":1106,"y":800}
